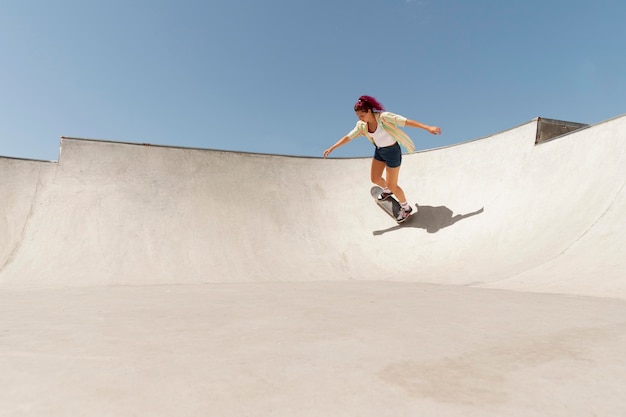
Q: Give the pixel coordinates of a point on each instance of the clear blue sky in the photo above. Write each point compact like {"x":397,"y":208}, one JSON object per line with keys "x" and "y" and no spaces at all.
{"x":281,"y":76}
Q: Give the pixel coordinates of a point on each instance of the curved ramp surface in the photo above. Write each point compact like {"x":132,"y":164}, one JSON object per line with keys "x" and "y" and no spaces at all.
{"x":150,"y":280}
{"x":500,"y":212}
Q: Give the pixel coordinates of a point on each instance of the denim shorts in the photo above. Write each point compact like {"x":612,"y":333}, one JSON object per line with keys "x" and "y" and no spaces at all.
{"x":391,"y":155}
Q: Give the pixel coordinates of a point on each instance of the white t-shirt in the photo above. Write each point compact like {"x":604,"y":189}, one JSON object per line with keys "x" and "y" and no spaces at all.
{"x":381,"y":137}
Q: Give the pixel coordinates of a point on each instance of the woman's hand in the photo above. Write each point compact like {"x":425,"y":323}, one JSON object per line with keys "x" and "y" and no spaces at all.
{"x":434,"y":130}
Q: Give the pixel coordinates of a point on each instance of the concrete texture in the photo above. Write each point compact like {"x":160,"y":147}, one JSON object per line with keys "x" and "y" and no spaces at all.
{"x":146,"y":280}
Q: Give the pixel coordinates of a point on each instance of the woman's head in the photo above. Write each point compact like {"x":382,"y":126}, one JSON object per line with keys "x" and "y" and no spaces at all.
{"x":366,"y":104}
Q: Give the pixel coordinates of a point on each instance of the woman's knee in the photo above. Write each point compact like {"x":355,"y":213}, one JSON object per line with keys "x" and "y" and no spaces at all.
{"x":376,"y":178}
{"x":376,"y":172}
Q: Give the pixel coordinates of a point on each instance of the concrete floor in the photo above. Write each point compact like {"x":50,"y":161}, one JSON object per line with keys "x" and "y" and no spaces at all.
{"x":310,"y":349}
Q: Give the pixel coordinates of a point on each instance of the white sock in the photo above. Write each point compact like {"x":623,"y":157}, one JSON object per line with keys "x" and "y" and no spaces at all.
{"x":404,"y":205}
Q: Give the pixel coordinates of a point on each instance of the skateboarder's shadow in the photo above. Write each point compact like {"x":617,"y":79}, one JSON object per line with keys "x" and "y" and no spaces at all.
{"x":432,"y":219}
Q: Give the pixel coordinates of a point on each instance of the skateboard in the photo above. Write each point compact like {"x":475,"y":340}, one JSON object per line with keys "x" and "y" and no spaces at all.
{"x":390,"y":205}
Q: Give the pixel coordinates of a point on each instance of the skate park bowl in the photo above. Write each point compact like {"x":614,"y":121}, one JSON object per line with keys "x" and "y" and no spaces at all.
{"x":153,"y":280}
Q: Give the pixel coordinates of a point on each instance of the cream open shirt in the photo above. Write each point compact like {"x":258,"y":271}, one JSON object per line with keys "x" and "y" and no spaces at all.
{"x":391,"y":123}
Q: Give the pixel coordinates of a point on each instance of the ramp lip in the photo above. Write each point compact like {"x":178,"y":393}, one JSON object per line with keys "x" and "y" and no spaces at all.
{"x":17,"y":158}
{"x":534,"y":120}
{"x":192,"y":148}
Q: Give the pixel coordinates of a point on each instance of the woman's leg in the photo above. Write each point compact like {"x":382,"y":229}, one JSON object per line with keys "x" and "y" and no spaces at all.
{"x":378,"y":167}
{"x":392,"y":183}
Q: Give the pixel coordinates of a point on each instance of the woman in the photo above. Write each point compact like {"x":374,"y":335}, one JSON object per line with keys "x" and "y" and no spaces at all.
{"x":382,"y":128}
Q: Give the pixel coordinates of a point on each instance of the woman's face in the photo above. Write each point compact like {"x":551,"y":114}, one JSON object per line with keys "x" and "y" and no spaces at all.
{"x":365,"y":116}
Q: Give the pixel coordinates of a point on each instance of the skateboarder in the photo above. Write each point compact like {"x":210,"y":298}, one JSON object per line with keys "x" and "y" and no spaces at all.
{"x":382,"y":128}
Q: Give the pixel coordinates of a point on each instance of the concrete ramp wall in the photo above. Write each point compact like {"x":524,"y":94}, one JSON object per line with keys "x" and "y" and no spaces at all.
{"x":20,"y":183}
{"x":500,"y":212}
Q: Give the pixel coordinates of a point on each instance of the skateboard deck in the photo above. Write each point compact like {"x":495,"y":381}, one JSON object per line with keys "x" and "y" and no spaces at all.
{"x":390,"y":205}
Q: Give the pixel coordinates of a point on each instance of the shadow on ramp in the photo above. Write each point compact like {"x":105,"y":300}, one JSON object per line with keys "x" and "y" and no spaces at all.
{"x":432,"y":219}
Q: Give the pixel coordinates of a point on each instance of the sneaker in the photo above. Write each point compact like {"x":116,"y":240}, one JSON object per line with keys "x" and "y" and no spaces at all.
{"x":384,"y":195}
{"x":404,"y":214}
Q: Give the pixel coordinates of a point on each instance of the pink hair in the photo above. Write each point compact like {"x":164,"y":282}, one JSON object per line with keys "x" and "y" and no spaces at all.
{"x":365,"y":103}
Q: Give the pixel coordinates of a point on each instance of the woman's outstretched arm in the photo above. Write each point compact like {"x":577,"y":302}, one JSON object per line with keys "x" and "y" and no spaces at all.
{"x":339,"y":143}
{"x":432,"y":129}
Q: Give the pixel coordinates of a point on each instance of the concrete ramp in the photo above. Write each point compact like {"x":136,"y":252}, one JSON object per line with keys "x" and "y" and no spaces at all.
{"x":151,"y":280}
{"x":499,"y":212}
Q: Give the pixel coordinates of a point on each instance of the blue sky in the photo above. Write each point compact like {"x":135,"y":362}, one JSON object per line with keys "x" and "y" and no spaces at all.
{"x":281,"y":76}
